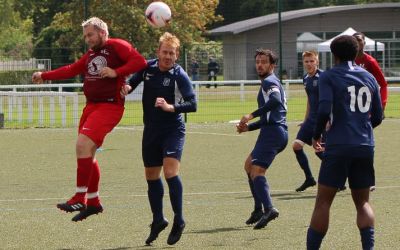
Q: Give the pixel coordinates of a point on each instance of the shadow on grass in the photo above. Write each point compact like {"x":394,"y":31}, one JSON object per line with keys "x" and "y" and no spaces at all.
{"x":286,"y":196}
{"x":217,"y":230}
{"x":144,"y":247}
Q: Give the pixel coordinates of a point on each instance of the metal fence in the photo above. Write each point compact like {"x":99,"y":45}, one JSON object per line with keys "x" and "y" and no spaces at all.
{"x":29,"y":64}
{"x":59,"y":105}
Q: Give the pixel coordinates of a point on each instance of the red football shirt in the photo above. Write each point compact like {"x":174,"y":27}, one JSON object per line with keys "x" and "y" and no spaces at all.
{"x":116,"y":54}
{"x":371,"y":65}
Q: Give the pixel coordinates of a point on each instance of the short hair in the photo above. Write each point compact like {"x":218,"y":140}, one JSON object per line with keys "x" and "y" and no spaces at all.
{"x":170,"y":39}
{"x":310,"y":53}
{"x":97,"y":24}
{"x":359,"y":34}
{"x":345,"y":48}
{"x":273,"y":59}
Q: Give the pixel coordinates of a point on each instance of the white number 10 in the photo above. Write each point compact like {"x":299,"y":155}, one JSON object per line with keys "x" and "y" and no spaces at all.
{"x":363,"y":107}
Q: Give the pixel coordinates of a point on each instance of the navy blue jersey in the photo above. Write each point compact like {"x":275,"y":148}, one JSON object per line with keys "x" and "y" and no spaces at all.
{"x":311,"y":87}
{"x":271,"y":101}
{"x":351,"y":95}
{"x":173,"y":85}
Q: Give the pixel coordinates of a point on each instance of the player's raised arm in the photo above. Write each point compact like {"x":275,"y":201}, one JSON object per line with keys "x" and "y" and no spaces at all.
{"x":37,"y":77}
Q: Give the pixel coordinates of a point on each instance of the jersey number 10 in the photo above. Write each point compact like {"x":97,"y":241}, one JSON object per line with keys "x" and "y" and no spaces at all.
{"x":363,"y":104}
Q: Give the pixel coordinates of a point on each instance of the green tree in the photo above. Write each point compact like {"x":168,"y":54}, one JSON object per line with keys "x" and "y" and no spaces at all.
{"x":126,"y":20}
{"x":15,"y":33}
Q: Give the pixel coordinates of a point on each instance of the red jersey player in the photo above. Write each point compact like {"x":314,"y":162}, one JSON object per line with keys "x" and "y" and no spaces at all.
{"x":371,"y":65}
{"x":105,"y":66}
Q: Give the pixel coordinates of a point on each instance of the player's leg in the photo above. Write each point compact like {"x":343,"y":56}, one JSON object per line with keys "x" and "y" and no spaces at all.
{"x":361,"y":178}
{"x":262,"y":190}
{"x":153,"y":160}
{"x":332,"y":175}
{"x":365,"y":216}
{"x":320,"y":217}
{"x":270,"y":142}
{"x":172,"y":152}
{"x":171,"y":173}
{"x":103,"y":118}
{"x":85,"y":149}
{"x":304,"y":137}
{"x":155,"y":193}
{"x":257,"y":212}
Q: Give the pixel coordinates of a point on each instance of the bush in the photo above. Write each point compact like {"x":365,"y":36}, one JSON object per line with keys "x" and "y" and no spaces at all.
{"x":16,"y":77}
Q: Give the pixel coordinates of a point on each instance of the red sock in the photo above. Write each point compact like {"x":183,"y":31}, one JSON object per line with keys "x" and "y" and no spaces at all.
{"x":93,"y":187}
{"x":82,"y":177}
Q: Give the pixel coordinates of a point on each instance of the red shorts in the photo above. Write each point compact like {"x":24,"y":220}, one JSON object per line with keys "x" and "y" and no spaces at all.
{"x":98,"y":119}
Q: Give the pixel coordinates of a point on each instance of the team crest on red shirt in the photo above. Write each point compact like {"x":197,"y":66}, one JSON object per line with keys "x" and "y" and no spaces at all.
{"x":96,"y":64}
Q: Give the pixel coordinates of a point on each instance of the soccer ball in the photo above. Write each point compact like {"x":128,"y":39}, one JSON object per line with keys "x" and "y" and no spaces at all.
{"x":158,"y":14}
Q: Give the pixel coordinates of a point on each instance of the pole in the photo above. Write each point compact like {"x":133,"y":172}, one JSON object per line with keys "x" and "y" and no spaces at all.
{"x":280,"y":39}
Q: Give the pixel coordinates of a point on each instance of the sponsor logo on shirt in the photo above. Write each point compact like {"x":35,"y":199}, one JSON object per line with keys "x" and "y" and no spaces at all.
{"x":104,"y":51}
{"x":315,"y":83}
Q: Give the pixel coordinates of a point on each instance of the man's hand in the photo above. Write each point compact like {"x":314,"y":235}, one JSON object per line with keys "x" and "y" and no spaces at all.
{"x":317,"y":145}
{"x":125,"y":90}
{"x":240,"y":128}
{"x":161,"y":103}
{"x":37,"y":77}
{"x":108,"y":72}
{"x":246,"y":118}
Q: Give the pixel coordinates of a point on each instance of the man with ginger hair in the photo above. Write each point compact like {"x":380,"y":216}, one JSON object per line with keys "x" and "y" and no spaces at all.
{"x":167,"y":93}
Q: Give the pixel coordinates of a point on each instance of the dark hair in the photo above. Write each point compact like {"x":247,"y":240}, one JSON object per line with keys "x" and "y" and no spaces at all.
{"x":344,"y":48}
{"x":273,"y":59}
{"x":359,"y":34}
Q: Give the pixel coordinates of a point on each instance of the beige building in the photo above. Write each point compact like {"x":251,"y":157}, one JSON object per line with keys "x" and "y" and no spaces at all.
{"x":380,"y":22}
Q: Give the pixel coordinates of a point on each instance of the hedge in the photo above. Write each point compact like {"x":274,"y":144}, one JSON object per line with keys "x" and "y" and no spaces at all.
{"x":16,"y":77}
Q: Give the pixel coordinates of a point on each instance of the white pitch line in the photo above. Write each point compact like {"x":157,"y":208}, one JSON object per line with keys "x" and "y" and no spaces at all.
{"x":207,"y":133}
{"x":186,"y":194}
{"x":188,"y":132}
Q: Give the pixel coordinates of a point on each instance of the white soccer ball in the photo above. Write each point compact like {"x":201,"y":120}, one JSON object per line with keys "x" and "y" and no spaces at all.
{"x":158,"y":14}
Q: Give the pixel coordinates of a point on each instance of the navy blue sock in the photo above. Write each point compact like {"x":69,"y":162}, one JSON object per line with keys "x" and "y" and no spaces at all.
{"x":314,"y":239}
{"x":257,"y":202}
{"x":367,"y":238}
{"x":303,"y":161}
{"x":175,"y":195}
{"x":155,"y":193}
{"x":261,"y":189}
{"x":320,"y":155}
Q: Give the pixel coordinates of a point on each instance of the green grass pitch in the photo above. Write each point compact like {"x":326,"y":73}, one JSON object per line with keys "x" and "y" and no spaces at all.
{"x":38,"y":170}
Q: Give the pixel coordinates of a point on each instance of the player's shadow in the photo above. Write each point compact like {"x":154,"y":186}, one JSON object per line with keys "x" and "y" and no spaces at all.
{"x":294,"y":196}
{"x":287,"y":196}
{"x":217,"y":230}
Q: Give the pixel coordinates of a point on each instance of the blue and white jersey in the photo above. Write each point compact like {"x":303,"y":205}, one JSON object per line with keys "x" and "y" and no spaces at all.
{"x":173,"y":85}
{"x":353,"y":95}
{"x":271,"y":101}
{"x":312,"y":91}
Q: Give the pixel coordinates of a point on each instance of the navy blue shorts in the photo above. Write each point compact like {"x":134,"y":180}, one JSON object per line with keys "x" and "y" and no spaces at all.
{"x":271,"y":141}
{"x":306,"y":131}
{"x":336,"y":169}
{"x":158,"y":143}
